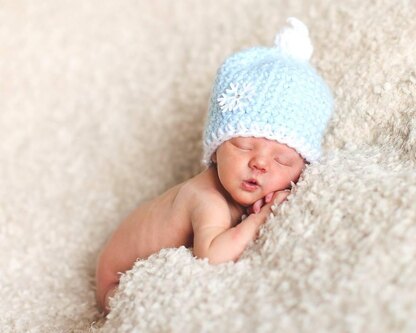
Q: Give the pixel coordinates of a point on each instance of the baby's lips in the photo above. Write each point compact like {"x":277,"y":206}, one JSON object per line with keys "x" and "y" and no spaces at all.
{"x":253,"y":181}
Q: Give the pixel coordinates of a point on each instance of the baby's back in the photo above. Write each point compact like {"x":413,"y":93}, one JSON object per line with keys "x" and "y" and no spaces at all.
{"x":159,"y":223}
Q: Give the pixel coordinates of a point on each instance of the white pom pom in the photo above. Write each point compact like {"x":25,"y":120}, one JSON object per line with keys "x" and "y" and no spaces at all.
{"x":294,"y":40}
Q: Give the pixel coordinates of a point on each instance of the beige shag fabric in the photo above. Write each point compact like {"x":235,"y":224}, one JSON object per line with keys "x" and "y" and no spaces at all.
{"x":102,"y":105}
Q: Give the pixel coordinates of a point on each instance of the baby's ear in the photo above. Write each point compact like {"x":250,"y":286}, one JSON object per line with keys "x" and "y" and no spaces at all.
{"x":214,"y":157}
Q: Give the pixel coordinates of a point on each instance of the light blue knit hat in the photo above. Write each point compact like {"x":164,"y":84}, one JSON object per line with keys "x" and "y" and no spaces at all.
{"x":272,"y":93}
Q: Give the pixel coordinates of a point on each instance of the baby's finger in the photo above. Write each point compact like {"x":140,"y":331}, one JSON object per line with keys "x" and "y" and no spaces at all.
{"x":250,"y":209}
{"x":257,"y":205}
{"x":269,"y":197}
{"x":281,"y":196}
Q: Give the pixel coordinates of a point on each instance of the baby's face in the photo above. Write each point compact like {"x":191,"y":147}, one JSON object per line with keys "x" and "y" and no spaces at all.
{"x":250,"y":168}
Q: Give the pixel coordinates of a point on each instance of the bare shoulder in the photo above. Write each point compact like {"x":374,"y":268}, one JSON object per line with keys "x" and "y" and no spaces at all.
{"x":205,"y":204}
{"x":209,"y":211}
{"x":209,"y":208}
{"x":199,"y":195}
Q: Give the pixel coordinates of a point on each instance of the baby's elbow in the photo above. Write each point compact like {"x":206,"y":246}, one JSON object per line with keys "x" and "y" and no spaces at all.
{"x":213,"y":257}
{"x":200,"y":253}
{"x":220,"y":260}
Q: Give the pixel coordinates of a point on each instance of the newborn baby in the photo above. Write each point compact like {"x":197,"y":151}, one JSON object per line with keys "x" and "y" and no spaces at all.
{"x":267,"y":115}
{"x":205,"y":211}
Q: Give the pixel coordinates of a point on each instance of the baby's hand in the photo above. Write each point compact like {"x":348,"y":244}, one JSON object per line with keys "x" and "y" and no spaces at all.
{"x":268,"y":200}
{"x":276,"y":198}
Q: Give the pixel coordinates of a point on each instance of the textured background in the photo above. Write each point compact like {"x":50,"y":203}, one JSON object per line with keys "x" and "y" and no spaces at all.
{"x":102,"y":105}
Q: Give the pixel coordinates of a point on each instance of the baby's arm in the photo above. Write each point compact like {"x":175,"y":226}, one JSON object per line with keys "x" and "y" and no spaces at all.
{"x":213,"y":237}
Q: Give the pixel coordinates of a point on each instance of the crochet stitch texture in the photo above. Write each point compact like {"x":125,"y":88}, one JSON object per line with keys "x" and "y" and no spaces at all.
{"x":272,"y":93}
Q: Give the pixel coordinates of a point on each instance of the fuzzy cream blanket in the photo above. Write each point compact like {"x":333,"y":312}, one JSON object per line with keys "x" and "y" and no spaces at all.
{"x":102,"y":105}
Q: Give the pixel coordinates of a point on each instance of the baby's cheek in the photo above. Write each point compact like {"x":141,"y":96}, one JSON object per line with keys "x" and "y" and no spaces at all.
{"x":272,"y":185}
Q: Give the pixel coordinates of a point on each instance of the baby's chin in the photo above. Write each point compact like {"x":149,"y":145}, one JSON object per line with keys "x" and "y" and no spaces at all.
{"x":246,"y":201}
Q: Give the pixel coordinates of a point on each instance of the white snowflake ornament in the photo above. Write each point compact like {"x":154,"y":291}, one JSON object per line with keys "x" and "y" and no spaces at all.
{"x":236,"y":98}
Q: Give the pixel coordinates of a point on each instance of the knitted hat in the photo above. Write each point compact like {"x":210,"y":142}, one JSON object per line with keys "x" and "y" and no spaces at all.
{"x":271,"y":93}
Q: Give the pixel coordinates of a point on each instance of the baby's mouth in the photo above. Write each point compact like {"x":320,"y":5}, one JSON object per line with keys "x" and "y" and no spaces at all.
{"x":250,"y":184}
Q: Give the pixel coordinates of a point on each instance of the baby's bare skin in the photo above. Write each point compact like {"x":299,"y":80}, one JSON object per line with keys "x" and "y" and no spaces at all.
{"x":203,"y":212}
{"x":163,"y":222}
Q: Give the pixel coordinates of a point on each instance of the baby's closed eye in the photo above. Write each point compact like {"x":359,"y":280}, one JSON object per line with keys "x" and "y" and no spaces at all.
{"x":242,"y":143}
{"x":283,"y":160}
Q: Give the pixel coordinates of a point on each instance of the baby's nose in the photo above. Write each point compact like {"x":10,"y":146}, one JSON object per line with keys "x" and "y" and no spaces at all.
{"x":260,"y":163}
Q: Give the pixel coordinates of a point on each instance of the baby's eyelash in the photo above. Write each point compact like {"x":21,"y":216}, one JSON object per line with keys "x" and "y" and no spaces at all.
{"x":281,"y":162}
{"x":242,"y":147}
